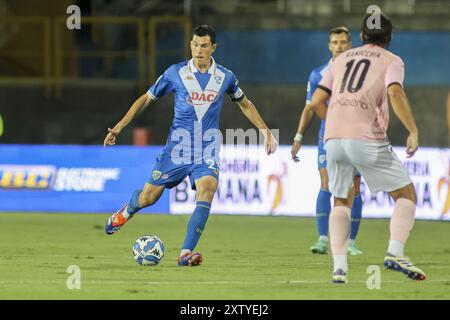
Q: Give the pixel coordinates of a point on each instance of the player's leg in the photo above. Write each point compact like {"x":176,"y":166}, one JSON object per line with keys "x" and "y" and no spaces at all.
{"x":165,"y":173}
{"x":402,"y":222}
{"x":139,"y":199}
{"x":341,"y":174}
{"x":323,"y":202}
{"x":204,"y":179}
{"x":383,"y":171}
{"x":356,"y":214}
{"x":339,"y":235}
{"x":323,"y":208}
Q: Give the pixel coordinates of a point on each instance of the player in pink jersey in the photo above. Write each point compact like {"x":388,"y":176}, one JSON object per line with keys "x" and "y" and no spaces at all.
{"x":358,"y":83}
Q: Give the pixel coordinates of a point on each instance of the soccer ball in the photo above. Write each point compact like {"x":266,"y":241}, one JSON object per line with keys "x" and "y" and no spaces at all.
{"x":148,"y":250}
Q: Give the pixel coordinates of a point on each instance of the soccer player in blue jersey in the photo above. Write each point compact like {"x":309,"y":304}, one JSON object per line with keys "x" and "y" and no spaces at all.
{"x":339,"y":41}
{"x":192,"y":148}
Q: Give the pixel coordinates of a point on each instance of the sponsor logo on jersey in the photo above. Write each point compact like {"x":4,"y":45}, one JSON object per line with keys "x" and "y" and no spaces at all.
{"x":201,"y":98}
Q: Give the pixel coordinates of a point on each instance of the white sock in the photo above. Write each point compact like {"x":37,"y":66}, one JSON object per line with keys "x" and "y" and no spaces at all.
{"x":396,"y":248}
{"x":351,"y":242}
{"x":184,"y":251}
{"x":323,"y":238}
{"x":125,"y":213}
{"x":340,"y":262}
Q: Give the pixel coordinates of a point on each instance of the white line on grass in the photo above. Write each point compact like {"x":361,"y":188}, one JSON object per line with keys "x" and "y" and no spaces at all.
{"x":288,"y":282}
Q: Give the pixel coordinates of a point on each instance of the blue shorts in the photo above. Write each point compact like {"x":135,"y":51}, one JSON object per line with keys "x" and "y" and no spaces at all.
{"x":322,"y":154}
{"x":168,"y":174}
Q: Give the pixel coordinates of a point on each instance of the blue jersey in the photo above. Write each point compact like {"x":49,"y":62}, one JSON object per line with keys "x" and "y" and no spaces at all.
{"x":198,"y":100}
{"x":193,"y":144}
{"x":314,"y":79}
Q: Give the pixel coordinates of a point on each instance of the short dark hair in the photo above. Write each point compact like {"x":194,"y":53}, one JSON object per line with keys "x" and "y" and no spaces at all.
{"x":339,"y":30}
{"x":379,"y":36}
{"x":205,"y":30}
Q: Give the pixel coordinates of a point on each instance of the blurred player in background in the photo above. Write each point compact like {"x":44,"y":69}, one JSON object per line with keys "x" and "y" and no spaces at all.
{"x":199,"y":86}
{"x":358,"y":84}
{"x":339,"y":41}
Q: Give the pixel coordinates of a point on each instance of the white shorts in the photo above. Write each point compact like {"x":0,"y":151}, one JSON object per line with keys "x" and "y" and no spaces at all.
{"x":376,"y":161}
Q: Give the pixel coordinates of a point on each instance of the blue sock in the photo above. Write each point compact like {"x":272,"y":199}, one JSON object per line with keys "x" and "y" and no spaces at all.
{"x":196,"y":224}
{"x":133,"y":205}
{"x":323,"y":209}
{"x":356,"y":216}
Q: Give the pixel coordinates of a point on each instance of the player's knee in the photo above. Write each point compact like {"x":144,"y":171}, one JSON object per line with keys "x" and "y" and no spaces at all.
{"x":324,"y":180}
{"x":324,"y":184}
{"x":412,"y":194}
{"x":357,"y":185}
{"x":408,"y":192}
{"x":207,"y":189}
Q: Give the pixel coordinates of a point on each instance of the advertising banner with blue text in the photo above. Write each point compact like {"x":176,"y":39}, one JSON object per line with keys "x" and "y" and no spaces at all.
{"x":74,"y":178}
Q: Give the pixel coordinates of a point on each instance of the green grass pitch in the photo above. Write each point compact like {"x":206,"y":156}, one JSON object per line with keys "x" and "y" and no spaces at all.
{"x":245,"y":257}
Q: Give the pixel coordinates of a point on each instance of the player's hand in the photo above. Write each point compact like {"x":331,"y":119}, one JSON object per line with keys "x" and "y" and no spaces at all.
{"x":295,"y":149}
{"x":111,"y":138}
{"x":412,"y":144}
{"x":270,"y":143}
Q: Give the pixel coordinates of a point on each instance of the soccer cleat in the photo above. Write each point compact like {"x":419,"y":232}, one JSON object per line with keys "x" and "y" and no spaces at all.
{"x":403,"y":264}
{"x":190,"y":259}
{"x":320,"y":247}
{"x":353,"y":250}
{"x":116,"y":221}
{"x":339,"y":276}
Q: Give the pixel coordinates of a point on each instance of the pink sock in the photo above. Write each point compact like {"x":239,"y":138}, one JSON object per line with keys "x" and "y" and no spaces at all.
{"x":339,"y":229}
{"x":402,"y":220}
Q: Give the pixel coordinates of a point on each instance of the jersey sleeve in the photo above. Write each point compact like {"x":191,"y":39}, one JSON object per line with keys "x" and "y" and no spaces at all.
{"x":162,"y":86}
{"x":326,"y":83}
{"x":312,"y":85}
{"x":235,"y":93}
{"x":395,"y":73}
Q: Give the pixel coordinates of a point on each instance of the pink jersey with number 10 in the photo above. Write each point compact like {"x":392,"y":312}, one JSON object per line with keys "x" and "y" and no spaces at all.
{"x":357,"y":81}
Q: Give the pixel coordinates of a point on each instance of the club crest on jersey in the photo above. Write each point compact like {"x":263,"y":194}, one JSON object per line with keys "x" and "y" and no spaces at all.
{"x":201,"y":98}
{"x":218,"y":79}
{"x":189,"y":77}
{"x":156,"y":175}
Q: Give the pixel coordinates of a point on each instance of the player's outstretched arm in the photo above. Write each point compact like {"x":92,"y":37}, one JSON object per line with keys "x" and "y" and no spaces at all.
{"x":304,"y":123}
{"x":402,"y":109}
{"x":250,"y":111}
{"x":137,"y":107}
